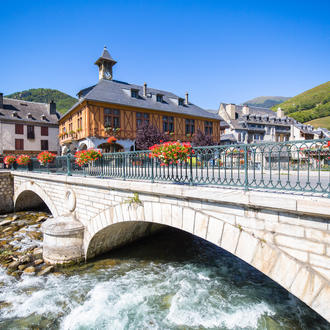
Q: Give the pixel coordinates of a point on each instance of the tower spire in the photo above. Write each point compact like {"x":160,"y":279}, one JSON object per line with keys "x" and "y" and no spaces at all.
{"x":105,"y":63}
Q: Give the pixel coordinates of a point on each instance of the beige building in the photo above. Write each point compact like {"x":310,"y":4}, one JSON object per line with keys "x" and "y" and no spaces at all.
{"x":27,"y":127}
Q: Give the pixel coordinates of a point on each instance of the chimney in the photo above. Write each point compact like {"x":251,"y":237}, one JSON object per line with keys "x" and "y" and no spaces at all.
{"x":231,"y":111}
{"x":187,"y":99}
{"x":246,"y":110}
{"x":145,"y":89}
{"x":280,"y":113}
{"x":52,"y":108}
{"x":1,"y":100}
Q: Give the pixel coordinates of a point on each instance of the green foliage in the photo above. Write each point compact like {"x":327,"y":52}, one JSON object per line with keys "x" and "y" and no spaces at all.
{"x":266,"y":101}
{"x":309,"y":105}
{"x":135,"y":200}
{"x":45,"y":95}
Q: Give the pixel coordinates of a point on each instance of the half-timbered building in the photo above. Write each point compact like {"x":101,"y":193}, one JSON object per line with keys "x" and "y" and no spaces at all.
{"x":113,"y":107}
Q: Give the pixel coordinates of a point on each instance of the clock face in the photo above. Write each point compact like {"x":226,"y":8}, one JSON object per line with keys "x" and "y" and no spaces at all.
{"x":107,"y":75}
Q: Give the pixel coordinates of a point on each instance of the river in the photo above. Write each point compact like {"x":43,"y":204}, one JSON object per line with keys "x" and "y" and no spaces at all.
{"x":169,"y":281}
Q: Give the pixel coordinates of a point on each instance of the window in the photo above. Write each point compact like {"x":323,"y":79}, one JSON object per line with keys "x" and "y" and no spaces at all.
{"x":141,"y":119}
{"x":181,"y":101}
{"x":19,"y":144}
{"x":208,"y":127}
{"x":30,"y":132}
{"x":44,"y":144}
{"x":111,"y":118}
{"x":168,"y":124}
{"x":159,"y":98}
{"x":44,"y":131}
{"x":190,"y":126}
{"x":135,"y":93}
{"x":70,"y":127}
{"x":19,"y":129}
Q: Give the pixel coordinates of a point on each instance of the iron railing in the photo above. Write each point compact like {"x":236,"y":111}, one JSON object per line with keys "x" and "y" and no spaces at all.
{"x":299,"y":166}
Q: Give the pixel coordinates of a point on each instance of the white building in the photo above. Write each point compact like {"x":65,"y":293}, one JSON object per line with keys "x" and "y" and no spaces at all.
{"x":27,"y":127}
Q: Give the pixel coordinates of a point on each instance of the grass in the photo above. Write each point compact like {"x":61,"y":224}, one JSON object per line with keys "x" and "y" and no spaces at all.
{"x":320,"y":122}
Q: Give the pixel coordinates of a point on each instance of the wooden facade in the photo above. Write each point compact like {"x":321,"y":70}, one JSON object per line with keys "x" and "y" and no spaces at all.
{"x":88,"y":120}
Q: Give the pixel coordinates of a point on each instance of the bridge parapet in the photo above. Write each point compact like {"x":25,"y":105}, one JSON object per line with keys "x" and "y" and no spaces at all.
{"x":285,"y":236}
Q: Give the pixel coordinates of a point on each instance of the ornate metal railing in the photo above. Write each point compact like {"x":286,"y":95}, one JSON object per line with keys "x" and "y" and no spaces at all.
{"x":300,"y":166}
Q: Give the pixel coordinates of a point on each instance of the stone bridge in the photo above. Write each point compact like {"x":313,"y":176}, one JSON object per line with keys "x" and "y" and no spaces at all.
{"x":285,"y":236}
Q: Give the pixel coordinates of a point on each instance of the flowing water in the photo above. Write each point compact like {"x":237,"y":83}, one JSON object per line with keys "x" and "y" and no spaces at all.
{"x":169,"y":281}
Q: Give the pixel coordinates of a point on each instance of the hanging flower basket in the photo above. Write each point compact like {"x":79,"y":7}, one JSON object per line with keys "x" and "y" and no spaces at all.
{"x":9,"y":160}
{"x":23,"y":159}
{"x":111,"y":139}
{"x":171,"y":152}
{"x":46,"y":157}
{"x":84,"y":157}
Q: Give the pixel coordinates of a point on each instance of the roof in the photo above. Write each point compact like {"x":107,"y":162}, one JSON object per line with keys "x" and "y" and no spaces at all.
{"x":228,"y":137}
{"x":27,"y":112}
{"x":223,"y":123}
{"x":118,"y":92}
{"x":105,"y":56}
{"x":258,"y":115}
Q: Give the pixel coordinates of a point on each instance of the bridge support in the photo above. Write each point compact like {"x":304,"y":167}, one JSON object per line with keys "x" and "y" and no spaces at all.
{"x":63,"y":240}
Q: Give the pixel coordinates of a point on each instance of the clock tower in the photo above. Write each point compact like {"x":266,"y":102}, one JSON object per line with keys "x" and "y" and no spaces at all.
{"x":105,"y":64}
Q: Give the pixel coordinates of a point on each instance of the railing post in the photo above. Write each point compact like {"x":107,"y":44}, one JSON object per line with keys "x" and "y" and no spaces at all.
{"x":68,"y":164}
{"x":246,"y":179}
{"x":152,"y":170}
{"x":123,"y":160}
{"x":191,"y":168}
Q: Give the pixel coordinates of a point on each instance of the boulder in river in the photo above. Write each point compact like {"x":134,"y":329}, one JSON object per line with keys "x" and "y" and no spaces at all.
{"x":45,"y":271}
{"x":38,"y":262}
{"x":22,"y":267}
{"x":29,"y":270}
{"x":13,"y":265}
{"x":5,"y":222}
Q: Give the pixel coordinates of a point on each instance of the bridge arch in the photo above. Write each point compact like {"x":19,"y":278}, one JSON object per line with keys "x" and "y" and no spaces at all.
{"x":31,"y":194}
{"x":125,"y":222}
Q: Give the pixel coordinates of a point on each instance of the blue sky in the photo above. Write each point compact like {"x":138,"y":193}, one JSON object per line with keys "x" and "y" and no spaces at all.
{"x":218,"y":51}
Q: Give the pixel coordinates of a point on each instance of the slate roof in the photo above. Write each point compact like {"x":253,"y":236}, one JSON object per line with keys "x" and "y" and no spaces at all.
{"x":118,"y":92}
{"x":22,"y":109}
{"x":258,"y":115}
{"x":105,"y":56}
{"x":228,"y":137}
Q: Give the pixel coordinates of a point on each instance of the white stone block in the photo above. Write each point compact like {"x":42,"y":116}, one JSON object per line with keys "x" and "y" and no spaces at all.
{"x":250,"y":223}
{"x":321,"y":261}
{"x":283,"y":228}
{"x":148,"y":211}
{"x":177,"y":216}
{"x":229,"y":238}
{"x":300,"y":255}
{"x":246,"y":247}
{"x":201,"y":222}
{"x":156,"y":212}
{"x":322,"y":302}
{"x":166,"y":214}
{"x":300,"y":244}
{"x":306,"y":285}
{"x":265,"y":257}
{"x":285,"y":270}
{"x":318,"y":235}
{"x":229,"y":218}
{"x":188,"y":220}
{"x":214,"y":231}
{"x":268,"y":215}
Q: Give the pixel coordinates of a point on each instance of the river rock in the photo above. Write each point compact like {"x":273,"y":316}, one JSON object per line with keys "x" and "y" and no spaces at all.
{"x":29,"y":270}
{"x":25,"y":259}
{"x":37,"y":251}
{"x":6,"y":230}
{"x":41,"y":218}
{"x":13,"y":265}
{"x":45,"y":271}
{"x":15,"y":217}
{"x":5,"y":222}
{"x":22,"y":267}
{"x":38,"y":262}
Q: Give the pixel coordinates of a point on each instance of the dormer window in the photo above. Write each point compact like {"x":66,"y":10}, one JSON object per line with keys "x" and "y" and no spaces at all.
{"x":135,"y":93}
{"x":29,"y":115}
{"x":159,"y":98}
{"x":180,"y":101}
{"x":43,"y":117}
{"x":15,"y":114}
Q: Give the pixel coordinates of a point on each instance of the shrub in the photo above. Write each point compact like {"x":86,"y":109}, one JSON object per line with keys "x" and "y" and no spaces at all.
{"x":23,"y":159}
{"x":9,"y":160}
{"x":200,"y":139}
{"x":46,"y":157}
{"x":171,"y":152}
{"x":87,"y":156}
{"x":147,"y":136}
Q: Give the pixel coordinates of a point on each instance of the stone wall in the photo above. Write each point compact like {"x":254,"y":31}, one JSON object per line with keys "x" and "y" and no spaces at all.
{"x":6,"y":192}
{"x":285,"y":236}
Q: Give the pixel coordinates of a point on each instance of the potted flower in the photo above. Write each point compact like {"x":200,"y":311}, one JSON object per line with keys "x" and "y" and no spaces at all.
{"x":171,"y":152}
{"x":111,"y":139}
{"x":9,"y":160}
{"x":45,"y":157}
{"x":23,"y":159}
{"x":85,"y":157}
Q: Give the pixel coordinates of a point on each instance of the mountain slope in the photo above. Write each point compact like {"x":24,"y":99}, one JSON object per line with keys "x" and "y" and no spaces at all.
{"x":320,"y":122}
{"x":45,"y":95}
{"x":266,"y":101}
{"x":311,"y":104}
